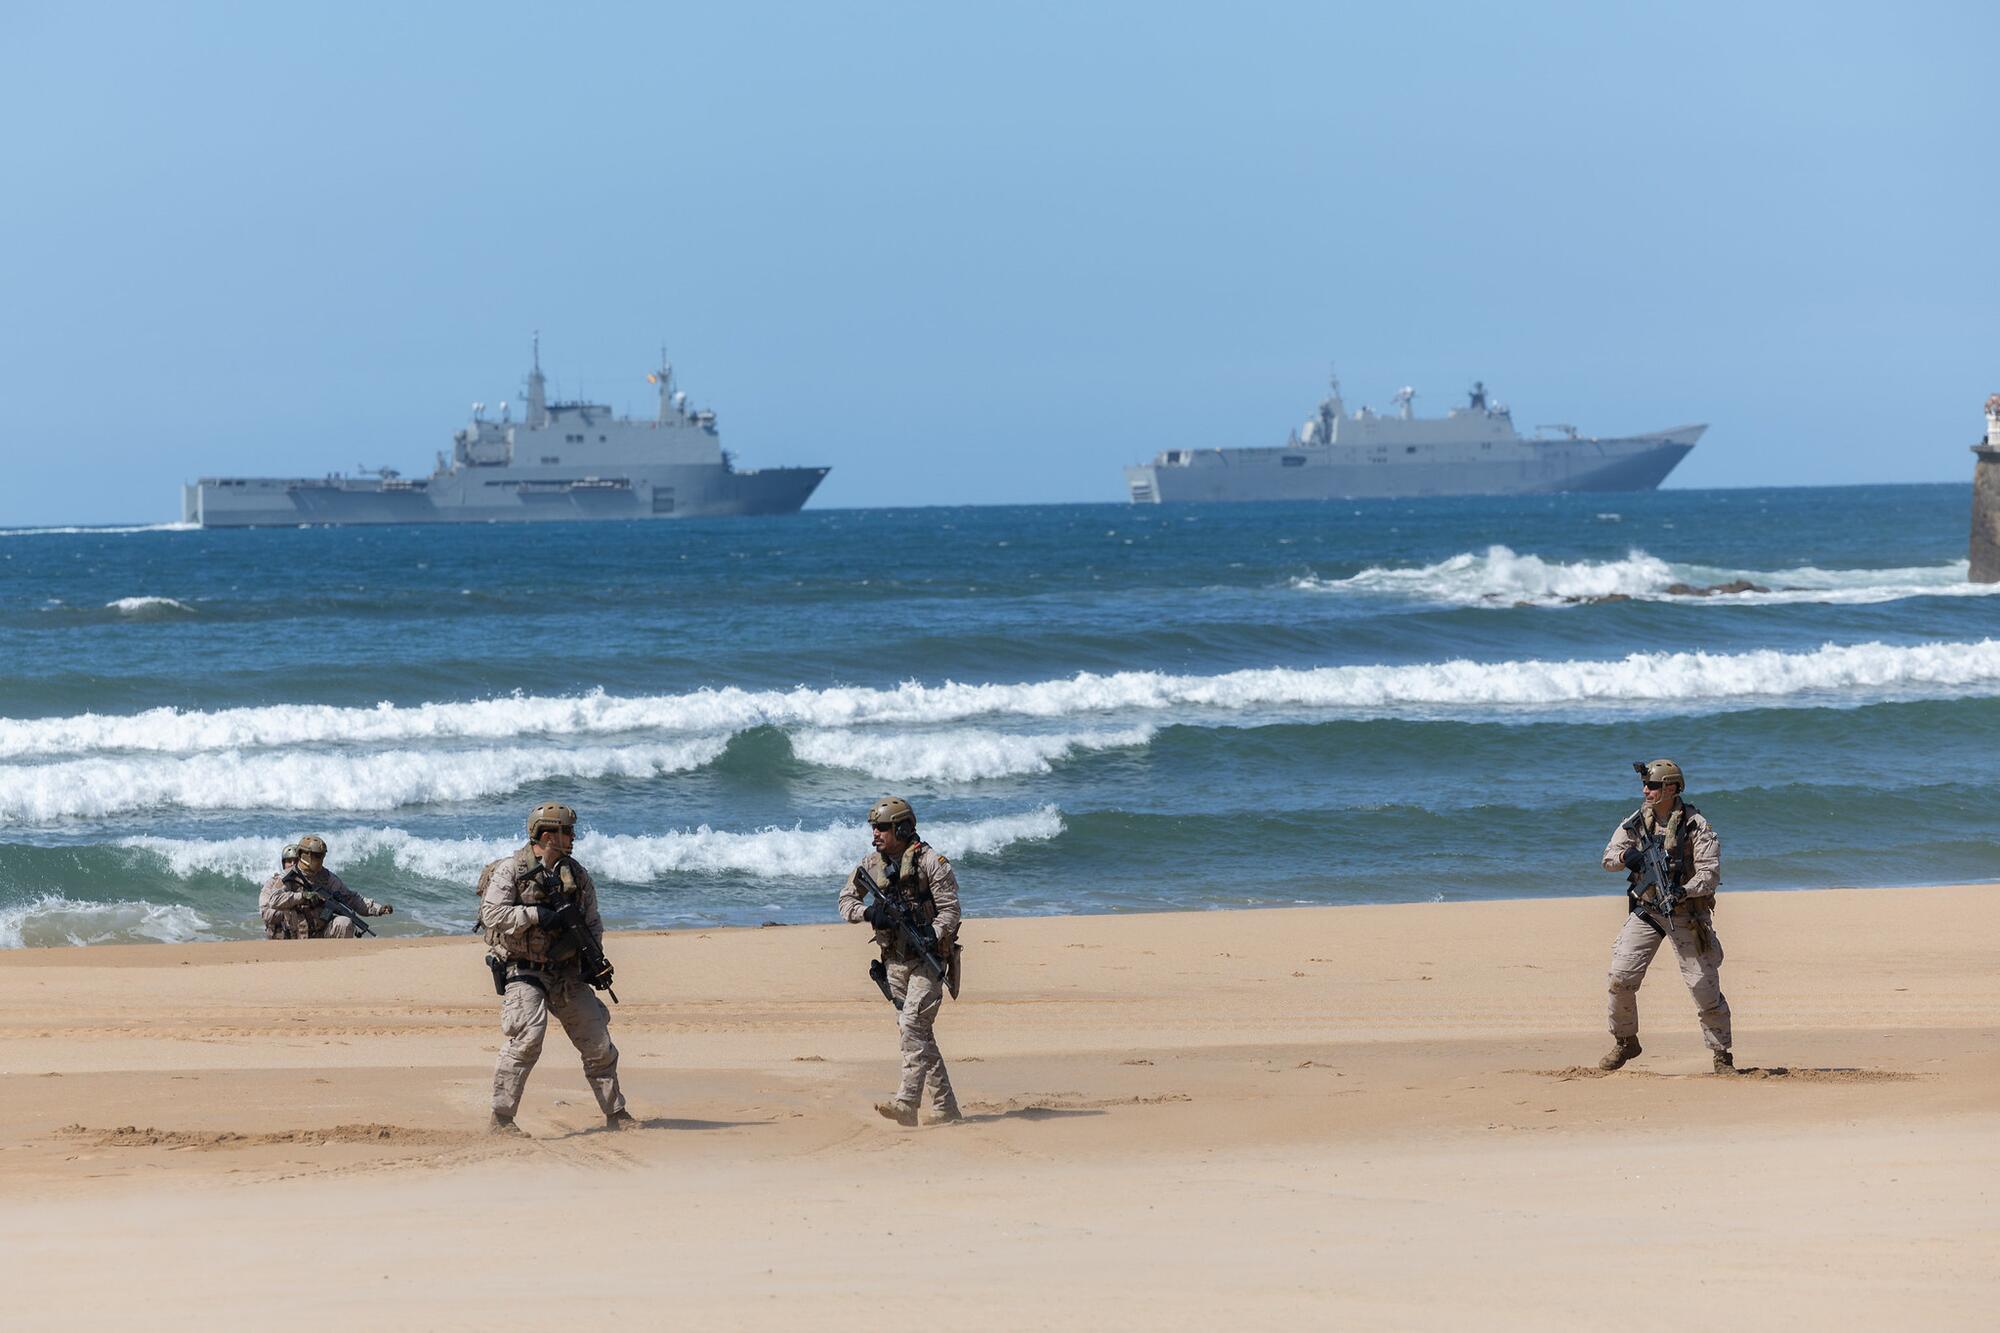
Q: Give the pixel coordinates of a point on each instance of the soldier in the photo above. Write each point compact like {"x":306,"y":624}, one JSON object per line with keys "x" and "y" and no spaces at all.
{"x":275,"y":924}
{"x":299,"y":899}
{"x":921,"y":879}
{"x":537,"y":969}
{"x":1693,"y":868}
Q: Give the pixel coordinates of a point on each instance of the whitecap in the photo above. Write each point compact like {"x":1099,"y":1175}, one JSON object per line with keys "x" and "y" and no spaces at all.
{"x":320,"y":780}
{"x":1692,"y":679}
{"x":1501,"y":577}
{"x":956,"y":756}
{"x":53,"y":920}
{"x":148,"y":606}
{"x":98,"y":532}
{"x":797,"y":852}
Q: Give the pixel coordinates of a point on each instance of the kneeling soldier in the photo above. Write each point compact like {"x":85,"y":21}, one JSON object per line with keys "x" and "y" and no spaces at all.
{"x":276,"y":926}
{"x":538,"y":966}
{"x":920,"y":879}
{"x":311,"y":902}
{"x":1693,"y":870}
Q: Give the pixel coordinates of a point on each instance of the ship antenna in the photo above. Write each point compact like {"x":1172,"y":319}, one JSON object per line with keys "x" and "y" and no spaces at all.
{"x":538,"y":413}
{"x":665,"y":378}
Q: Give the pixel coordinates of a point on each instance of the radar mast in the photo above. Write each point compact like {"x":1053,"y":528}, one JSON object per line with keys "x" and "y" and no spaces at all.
{"x":538,"y":400}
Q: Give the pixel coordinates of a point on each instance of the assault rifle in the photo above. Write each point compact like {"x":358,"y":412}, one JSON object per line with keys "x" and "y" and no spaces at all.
{"x":918,"y":935}
{"x":596,"y":967}
{"x":1655,"y":890}
{"x":326,"y":904}
{"x":569,"y":922}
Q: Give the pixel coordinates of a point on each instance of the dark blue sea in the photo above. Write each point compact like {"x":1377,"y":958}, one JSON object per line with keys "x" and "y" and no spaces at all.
{"x":1093,"y":708}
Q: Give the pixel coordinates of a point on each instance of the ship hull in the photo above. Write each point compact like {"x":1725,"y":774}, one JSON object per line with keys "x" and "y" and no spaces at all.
{"x":697,"y":491}
{"x":1344,"y":472}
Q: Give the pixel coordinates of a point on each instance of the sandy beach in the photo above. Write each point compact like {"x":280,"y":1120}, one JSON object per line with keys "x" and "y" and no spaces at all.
{"x":1374,"y":1117}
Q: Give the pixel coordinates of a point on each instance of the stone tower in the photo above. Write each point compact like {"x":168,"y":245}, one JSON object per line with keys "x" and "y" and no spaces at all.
{"x":1986,"y":500}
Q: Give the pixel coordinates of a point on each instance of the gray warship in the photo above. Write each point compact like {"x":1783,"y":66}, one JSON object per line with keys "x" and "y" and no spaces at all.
{"x":1471,"y":450}
{"x":562,"y":461}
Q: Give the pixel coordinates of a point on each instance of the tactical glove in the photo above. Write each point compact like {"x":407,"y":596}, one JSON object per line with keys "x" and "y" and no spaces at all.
{"x":1633,"y":858}
{"x":877,"y":915}
{"x":545,"y":917}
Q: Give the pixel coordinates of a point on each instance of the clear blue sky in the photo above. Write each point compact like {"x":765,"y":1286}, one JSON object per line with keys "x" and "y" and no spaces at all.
{"x":989,"y":253}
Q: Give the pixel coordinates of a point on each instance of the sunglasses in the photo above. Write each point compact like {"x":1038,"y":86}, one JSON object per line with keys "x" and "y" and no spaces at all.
{"x":883,"y":828}
{"x":1652,"y":786}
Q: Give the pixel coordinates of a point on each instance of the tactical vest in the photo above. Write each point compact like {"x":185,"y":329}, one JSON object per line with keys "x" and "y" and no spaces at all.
{"x":310,"y":923}
{"x":1680,"y":856}
{"x":537,"y":886}
{"x":902,"y":878}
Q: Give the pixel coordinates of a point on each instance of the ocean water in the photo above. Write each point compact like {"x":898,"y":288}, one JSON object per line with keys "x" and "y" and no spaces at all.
{"x":1093,"y":708}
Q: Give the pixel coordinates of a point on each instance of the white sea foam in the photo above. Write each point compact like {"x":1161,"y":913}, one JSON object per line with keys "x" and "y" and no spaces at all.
{"x":793,"y":853}
{"x":1856,"y":671}
{"x":254,"y":859}
{"x":319,"y":780}
{"x":143,"y":527}
{"x":955,"y":756}
{"x":148,"y":606}
{"x":1856,"y":587}
{"x":1501,"y":577}
{"x":53,"y":920}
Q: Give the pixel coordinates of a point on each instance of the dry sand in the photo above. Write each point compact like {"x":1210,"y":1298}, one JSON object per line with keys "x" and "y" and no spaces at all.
{"x":1378,"y":1117}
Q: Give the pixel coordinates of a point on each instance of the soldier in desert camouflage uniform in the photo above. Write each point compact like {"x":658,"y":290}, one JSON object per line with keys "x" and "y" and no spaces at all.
{"x":1694,"y":866}
{"x":293,"y":902}
{"x":537,"y":964}
{"x":922,"y":880}
{"x":275,"y":925}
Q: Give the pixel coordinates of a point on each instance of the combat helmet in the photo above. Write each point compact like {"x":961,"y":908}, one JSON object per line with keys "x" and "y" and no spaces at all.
{"x":291,"y":853}
{"x":550,"y":815}
{"x":895,"y":811}
{"x":1662,"y":770}
{"x":312,"y":845}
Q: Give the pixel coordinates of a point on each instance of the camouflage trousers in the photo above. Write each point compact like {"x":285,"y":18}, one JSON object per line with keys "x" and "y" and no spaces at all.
{"x":524,"y":1021}
{"x":1700,"y":954}
{"x":923,"y":1063}
{"x":279,"y":925}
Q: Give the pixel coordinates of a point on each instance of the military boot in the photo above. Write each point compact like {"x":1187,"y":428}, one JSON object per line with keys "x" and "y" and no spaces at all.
{"x":898,"y":1112}
{"x":1725,"y":1063}
{"x":1620,"y":1053}
{"x":949,"y":1116}
{"x":504,"y":1124}
{"x":620,"y":1120}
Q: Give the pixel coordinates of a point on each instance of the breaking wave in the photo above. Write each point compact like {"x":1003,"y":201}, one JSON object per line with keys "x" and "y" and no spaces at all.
{"x":1685,"y":679}
{"x":796,"y":852}
{"x":95,"y":532}
{"x":955,"y":756}
{"x":53,"y":920}
{"x":305,"y":780}
{"x":1501,"y":577}
{"x":149,"y":607}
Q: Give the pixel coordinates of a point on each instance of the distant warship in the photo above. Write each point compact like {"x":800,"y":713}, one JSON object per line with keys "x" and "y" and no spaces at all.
{"x":1471,"y":450}
{"x":562,"y":461}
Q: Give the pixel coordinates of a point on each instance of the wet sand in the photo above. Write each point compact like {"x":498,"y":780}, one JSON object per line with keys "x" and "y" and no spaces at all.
{"x":1377,"y":1116}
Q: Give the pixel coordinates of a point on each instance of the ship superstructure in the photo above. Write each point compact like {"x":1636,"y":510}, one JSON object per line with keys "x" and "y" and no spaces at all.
{"x":562,"y":460}
{"x":1471,"y":450}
